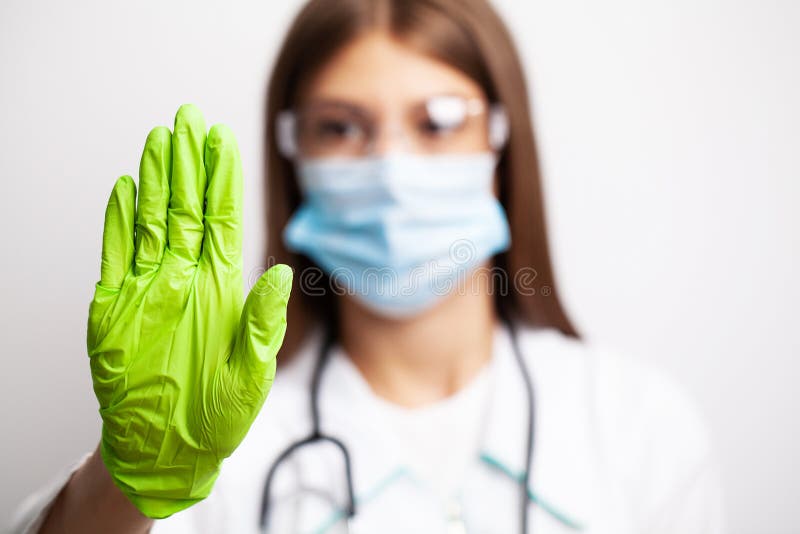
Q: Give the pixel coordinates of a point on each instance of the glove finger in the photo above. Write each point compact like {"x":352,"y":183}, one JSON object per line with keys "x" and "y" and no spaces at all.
{"x":151,"y":211}
{"x":262,"y":328}
{"x":222,"y":243}
{"x":187,"y":184}
{"x":118,"y":234}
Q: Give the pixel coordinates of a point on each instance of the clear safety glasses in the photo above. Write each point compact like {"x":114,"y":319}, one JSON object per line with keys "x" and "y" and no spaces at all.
{"x":439,"y":125}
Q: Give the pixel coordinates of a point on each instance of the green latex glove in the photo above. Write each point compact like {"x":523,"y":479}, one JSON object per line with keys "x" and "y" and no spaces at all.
{"x":180,"y":366}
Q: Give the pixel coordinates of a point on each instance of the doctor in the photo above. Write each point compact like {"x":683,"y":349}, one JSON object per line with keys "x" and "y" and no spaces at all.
{"x":430,"y":380}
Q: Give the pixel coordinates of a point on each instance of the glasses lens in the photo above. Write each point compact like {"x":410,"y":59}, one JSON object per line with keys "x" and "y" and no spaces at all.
{"x":332,"y":130}
{"x":445,"y":124}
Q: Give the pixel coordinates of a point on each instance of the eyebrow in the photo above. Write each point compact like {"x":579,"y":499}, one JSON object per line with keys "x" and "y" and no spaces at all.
{"x":334,"y":103}
{"x":341,"y":106}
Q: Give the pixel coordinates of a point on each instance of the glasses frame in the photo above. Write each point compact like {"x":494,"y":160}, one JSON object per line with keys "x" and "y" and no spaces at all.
{"x":498,"y":127}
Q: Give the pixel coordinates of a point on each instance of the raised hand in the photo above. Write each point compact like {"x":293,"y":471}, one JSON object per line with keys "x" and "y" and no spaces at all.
{"x":180,"y":366}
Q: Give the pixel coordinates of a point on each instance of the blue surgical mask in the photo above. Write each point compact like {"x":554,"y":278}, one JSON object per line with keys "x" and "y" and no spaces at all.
{"x":399,"y":231}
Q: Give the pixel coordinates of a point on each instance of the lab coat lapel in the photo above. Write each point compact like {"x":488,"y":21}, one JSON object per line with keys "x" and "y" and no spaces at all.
{"x":506,"y":427}
{"x":561,"y":479}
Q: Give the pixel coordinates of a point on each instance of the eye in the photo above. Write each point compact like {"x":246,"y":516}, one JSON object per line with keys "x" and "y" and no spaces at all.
{"x":432,"y":128}
{"x":336,"y":129}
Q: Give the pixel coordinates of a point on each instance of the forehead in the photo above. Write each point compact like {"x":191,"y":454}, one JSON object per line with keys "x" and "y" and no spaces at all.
{"x":377,"y":70}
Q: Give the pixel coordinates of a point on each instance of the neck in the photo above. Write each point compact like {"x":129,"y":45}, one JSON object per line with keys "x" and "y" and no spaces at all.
{"x":419,"y":360}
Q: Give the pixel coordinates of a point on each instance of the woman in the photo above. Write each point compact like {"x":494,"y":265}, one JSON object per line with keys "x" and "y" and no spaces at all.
{"x":430,"y":379}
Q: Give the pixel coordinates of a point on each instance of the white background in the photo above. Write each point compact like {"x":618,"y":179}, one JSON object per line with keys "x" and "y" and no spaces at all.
{"x":670,"y":134}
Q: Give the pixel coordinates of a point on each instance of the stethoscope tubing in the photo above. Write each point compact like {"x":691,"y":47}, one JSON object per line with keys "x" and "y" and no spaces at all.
{"x":317,"y":435}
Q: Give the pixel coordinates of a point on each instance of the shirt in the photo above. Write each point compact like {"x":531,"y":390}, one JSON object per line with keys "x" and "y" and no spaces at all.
{"x":437,"y":442}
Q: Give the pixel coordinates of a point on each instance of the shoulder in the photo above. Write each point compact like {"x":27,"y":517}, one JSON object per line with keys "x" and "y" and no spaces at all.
{"x":646,"y":431}
{"x":626,"y":394}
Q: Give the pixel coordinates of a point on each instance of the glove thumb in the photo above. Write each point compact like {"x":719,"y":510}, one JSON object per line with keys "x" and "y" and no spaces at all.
{"x":262,"y":326}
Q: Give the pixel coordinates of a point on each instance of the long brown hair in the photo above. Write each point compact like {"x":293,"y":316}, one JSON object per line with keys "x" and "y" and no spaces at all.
{"x":468,"y":35}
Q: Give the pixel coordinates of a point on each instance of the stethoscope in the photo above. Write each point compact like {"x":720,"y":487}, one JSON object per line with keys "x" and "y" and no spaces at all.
{"x":317,"y":435}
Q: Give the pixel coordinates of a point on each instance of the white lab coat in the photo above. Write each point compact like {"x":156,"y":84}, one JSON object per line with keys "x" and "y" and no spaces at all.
{"x":619,"y":449}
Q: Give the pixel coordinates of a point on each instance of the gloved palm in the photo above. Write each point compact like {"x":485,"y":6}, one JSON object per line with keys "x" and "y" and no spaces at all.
{"x":180,"y":366}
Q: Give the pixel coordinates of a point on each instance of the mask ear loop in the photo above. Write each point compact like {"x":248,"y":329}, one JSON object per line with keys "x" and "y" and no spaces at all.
{"x":498,"y":127}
